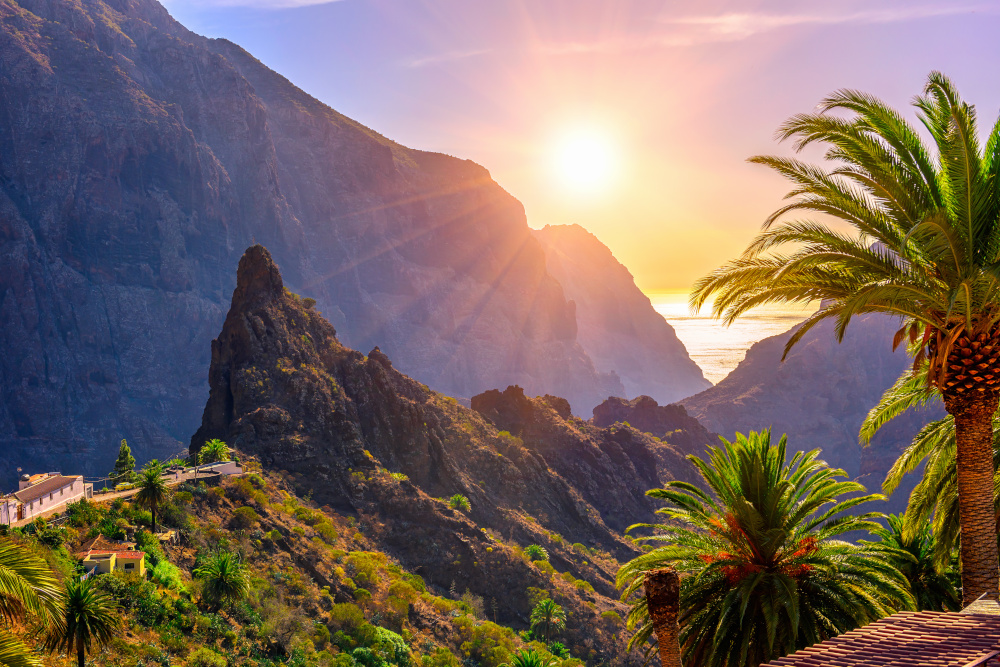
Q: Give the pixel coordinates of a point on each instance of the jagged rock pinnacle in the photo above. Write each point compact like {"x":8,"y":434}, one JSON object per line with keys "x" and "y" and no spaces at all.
{"x":257,"y":276}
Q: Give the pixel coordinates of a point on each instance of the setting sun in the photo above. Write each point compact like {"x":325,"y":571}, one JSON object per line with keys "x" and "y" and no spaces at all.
{"x":585,"y":160}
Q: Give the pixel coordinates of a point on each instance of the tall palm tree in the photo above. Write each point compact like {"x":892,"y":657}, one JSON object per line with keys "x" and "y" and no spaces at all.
{"x":28,"y":589}
{"x":152,"y":489}
{"x":923,"y":245}
{"x":212,"y":451}
{"x":913,"y":554}
{"x":548,"y":616}
{"x":225,"y":577}
{"x":766,"y":572}
{"x":934,"y":501}
{"x":90,"y":619}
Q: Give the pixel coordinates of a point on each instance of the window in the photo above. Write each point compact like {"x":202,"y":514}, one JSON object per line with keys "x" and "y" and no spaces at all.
{"x":129,"y":566}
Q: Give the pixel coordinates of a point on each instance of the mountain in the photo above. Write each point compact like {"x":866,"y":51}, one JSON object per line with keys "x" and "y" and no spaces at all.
{"x":670,"y":423}
{"x":819,"y":396}
{"x":138,"y":160}
{"x":617,"y":325}
{"x":363,"y":439}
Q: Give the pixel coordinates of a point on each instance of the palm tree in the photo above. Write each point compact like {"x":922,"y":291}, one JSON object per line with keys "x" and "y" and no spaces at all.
{"x":225,"y":577}
{"x":934,"y":501}
{"x":548,"y":615}
{"x":913,"y":554}
{"x":529,"y":658}
{"x":152,"y":489}
{"x":213,"y":451}
{"x":766,"y":574}
{"x":90,"y":619}
{"x":28,"y":589}
{"x":923,"y":245}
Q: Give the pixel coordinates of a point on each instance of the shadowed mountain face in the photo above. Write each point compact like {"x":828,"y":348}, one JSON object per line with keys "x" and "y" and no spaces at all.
{"x":819,"y":396}
{"x":370,"y":441}
{"x":618,"y":327}
{"x":138,"y":159}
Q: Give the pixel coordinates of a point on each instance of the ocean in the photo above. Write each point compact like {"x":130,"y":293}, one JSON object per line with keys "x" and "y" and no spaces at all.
{"x":718,"y":349}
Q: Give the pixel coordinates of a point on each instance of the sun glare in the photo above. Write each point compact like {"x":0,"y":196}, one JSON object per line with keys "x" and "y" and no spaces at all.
{"x":585,"y":161}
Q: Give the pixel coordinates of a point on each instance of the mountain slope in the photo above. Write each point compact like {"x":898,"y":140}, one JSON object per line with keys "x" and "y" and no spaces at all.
{"x":618,"y":326}
{"x":819,"y":396}
{"x":138,"y":159}
{"x":367,"y":440}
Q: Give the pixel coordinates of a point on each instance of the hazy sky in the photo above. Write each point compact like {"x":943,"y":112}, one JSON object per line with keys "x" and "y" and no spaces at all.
{"x":631,"y":118}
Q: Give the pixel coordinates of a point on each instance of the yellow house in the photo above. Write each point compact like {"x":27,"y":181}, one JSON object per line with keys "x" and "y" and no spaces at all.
{"x":115,"y":561}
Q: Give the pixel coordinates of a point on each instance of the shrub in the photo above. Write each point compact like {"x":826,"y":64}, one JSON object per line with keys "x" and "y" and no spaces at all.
{"x":536,"y":552}
{"x":459,"y":502}
{"x":363,"y":567}
{"x":183,"y":497}
{"x":545,"y":566}
{"x":440,"y":658}
{"x":327,"y":531}
{"x":244,"y":518}
{"x":206,"y":657}
{"x":582,"y":585}
{"x":612,"y":616}
{"x":82,"y":513}
{"x":347,"y":617}
{"x":362,"y":594}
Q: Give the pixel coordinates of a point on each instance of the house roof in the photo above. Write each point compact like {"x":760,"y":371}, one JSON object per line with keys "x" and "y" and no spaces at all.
{"x":48,"y":485}
{"x":908,"y":639}
{"x":101,"y":543}
{"x":119,"y":554}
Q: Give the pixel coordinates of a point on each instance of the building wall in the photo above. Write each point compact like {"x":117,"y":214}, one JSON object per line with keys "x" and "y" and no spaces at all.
{"x":70,"y":493}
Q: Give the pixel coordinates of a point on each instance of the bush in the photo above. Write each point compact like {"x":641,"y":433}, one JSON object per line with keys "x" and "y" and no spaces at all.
{"x":544,"y":566}
{"x":244,"y":518}
{"x":536,"y":552}
{"x":363,"y":567}
{"x":326,"y":531}
{"x":82,"y":513}
{"x":346,"y":617}
{"x":206,"y":657}
{"x":459,"y":502}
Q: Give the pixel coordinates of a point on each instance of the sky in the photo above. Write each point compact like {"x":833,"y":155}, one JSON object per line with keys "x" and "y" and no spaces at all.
{"x":632,"y":118}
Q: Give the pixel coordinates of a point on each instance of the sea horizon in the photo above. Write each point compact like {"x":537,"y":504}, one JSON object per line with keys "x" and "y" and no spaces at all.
{"x":716,"y":348}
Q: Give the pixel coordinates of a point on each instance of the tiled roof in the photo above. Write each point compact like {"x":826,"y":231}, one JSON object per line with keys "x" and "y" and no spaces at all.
{"x":46,"y":486}
{"x":908,"y":639}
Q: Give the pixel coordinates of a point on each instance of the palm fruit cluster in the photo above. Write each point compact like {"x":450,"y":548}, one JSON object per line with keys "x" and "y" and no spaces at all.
{"x":973,"y":363}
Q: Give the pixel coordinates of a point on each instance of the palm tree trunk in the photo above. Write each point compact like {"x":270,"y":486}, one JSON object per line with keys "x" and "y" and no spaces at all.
{"x":152,"y":514}
{"x":663,"y":589}
{"x":973,"y":413}
{"x":80,"y":659}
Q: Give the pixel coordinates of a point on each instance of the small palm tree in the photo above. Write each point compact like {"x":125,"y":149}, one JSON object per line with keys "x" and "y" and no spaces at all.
{"x":766,"y":572}
{"x":28,"y":589}
{"x":213,"y":451}
{"x":529,"y":658}
{"x":459,"y":502}
{"x":922,"y":243}
{"x":548,"y":616}
{"x":90,"y":620}
{"x":913,"y":555}
{"x":225,"y":577}
{"x":536,"y":552}
{"x":152,"y":489}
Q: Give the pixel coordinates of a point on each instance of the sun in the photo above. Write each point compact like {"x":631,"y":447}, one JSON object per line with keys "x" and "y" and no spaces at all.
{"x":584,"y":160}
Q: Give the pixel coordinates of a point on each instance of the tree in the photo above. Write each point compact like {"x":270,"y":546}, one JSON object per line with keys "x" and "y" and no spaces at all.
{"x":124,"y":465}
{"x":934,"y":501}
{"x":549,"y":616}
{"x":90,"y":618}
{"x":152,"y":489}
{"x":536,"y":552}
{"x":913,"y":555}
{"x":766,"y":572}
{"x":225,"y":578}
{"x":459,"y":502}
{"x":213,"y":451}
{"x":923,"y":245}
{"x":28,"y":589}
{"x":529,"y":658}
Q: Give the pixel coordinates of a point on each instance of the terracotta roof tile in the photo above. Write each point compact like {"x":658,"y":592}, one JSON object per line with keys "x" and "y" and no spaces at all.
{"x":907,"y":639}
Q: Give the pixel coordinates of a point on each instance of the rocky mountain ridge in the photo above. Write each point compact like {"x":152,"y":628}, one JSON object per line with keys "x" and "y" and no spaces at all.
{"x":365,"y":439}
{"x":138,"y":160}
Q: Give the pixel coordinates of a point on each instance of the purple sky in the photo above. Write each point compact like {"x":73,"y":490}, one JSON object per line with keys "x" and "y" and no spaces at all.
{"x":680,"y":93}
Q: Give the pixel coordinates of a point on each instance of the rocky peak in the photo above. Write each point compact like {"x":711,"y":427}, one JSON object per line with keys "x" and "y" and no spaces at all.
{"x":668,"y":422}
{"x":257,"y":277}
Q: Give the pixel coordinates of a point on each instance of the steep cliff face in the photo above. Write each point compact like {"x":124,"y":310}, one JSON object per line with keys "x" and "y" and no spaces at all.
{"x":618,"y":326}
{"x":819,"y":396}
{"x":365,"y":439}
{"x":137,"y":160}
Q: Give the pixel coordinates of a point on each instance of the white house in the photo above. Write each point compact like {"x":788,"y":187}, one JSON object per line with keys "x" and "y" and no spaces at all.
{"x":40,"y":494}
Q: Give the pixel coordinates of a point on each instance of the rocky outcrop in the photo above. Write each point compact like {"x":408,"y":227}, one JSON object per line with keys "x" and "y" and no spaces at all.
{"x":138,"y":160}
{"x":819,"y":396}
{"x":283,"y":388}
{"x":618,"y":327}
{"x":611,"y":467}
{"x":670,"y":423}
